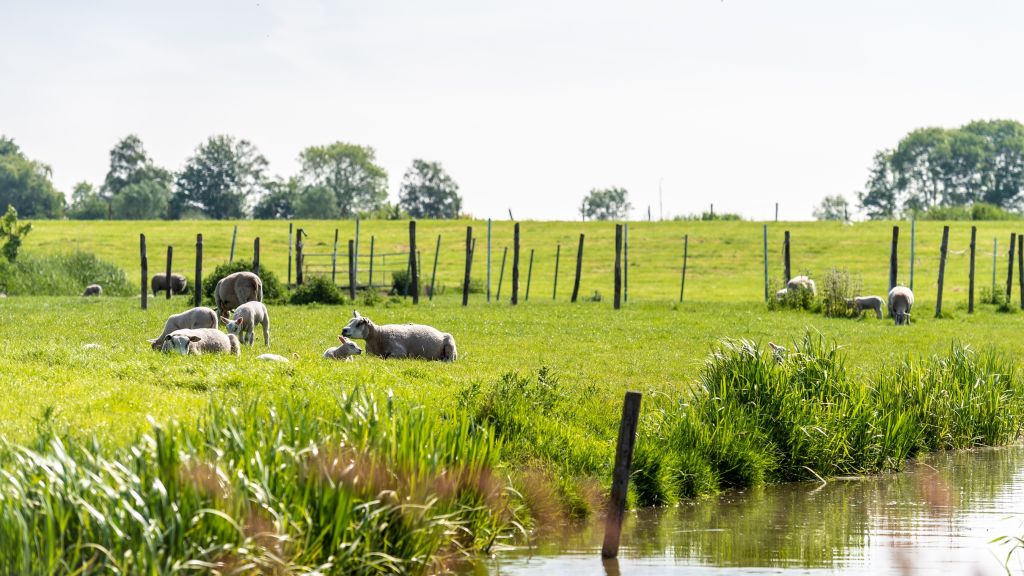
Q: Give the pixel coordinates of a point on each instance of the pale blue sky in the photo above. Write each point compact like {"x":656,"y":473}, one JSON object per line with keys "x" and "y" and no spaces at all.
{"x":528,"y":104}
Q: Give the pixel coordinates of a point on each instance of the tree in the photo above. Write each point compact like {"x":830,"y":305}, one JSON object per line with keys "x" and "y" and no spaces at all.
{"x":12,"y":233}
{"x":280,"y":200}
{"x":87,"y":203}
{"x":349,"y":172}
{"x":220,"y":181}
{"x":606,"y":204}
{"x":135,"y":187}
{"x":25,"y":184}
{"x":429,"y":192}
{"x":832,"y":208}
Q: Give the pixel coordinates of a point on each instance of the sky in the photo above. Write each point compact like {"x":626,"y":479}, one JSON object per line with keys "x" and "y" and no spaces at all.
{"x":528,"y":105}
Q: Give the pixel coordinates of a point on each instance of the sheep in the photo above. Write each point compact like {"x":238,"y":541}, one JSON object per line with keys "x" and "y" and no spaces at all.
{"x":802,"y":283}
{"x":247,"y":316}
{"x":345,"y":352}
{"x":201,"y":341}
{"x":236,"y":289}
{"x":179,"y":284}
{"x":201,"y":317}
{"x":272,"y":358}
{"x":901,"y":299}
{"x":781,"y":294}
{"x":401,"y":340}
{"x":862,"y":303}
{"x":93,"y":290}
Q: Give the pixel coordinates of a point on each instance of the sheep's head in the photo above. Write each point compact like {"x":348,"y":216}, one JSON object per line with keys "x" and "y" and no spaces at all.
{"x":234,"y":326}
{"x":348,"y":347}
{"x":357,"y":327}
{"x":175,"y":342}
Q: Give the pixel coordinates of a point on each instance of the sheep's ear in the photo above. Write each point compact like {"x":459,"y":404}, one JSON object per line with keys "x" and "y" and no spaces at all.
{"x":194,"y":338}
{"x":355,"y":314}
{"x":341,"y":338}
{"x":168,"y":337}
{"x":224,"y":320}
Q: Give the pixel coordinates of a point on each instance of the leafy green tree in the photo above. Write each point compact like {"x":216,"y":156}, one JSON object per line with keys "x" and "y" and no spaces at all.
{"x":136,"y":188}
{"x":280,"y":200}
{"x":606,"y":204}
{"x":1002,"y":168}
{"x":12,"y":233}
{"x":349,"y":171}
{"x":87,"y":203}
{"x":317,"y":202}
{"x":429,"y":192}
{"x":25,"y":184}
{"x":832,"y":208}
{"x":220,"y":181}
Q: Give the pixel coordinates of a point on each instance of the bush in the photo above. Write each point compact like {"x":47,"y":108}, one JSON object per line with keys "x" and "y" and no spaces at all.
{"x":62,"y":275}
{"x":401,"y":283}
{"x":837,"y":287}
{"x":977,"y":211}
{"x":706,"y":217}
{"x":795,"y":300}
{"x":317,"y":290}
{"x":273,"y":291}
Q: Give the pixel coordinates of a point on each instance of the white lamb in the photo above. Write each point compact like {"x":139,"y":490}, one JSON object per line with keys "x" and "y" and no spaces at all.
{"x":862,"y":303}
{"x":201,"y":341}
{"x":247,"y":316}
{"x":802,"y":283}
{"x":901,"y":299}
{"x":200,"y":317}
{"x":272,"y":358}
{"x":345,"y":352}
{"x":402,"y":340}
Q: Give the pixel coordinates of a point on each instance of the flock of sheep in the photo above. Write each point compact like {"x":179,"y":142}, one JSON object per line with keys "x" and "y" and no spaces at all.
{"x":901,"y":299}
{"x":196,"y":331}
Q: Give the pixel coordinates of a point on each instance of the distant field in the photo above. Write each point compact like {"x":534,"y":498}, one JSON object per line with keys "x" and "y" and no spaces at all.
{"x":725,"y":258}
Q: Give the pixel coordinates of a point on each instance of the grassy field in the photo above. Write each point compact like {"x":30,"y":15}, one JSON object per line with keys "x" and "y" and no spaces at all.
{"x":544,"y":379}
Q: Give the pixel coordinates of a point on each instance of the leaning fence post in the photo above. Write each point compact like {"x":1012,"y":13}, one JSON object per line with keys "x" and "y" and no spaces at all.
{"x":618,"y":266}
{"x":469,"y":265}
{"x":785,"y":258}
{"x":298,"y":257}
{"x":501,"y":276}
{"x":765,"y":258}
{"x":558,"y":254}
{"x":529,"y":276}
{"x":372,"y":238}
{"x":894,"y":257}
{"x":970,"y":290}
{"x":234,"y":236}
{"x":433,"y":274}
{"x":515,"y":265}
{"x":625,"y":262}
{"x":289,"y":254}
{"x":913,"y":243}
{"x":414,"y":272}
{"x":942,"y":270}
{"x":620,"y":474}
{"x":579,"y":270}
{"x":1020,"y":267}
{"x":334,"y":258}
{"x":355,"y":256}
{"x":489,"y":260}
{"x":1009,"y":272}
{"x":686,"y":249}
{"x":351,"y":270}
{"x":256,"y":256}
{"x":167,"y":278}
{"x":145,"y":270}
{"x":197,"y":288}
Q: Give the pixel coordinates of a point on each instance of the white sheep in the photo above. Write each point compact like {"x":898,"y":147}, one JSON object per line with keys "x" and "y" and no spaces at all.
{"x":401,"y":340}
{"x":247,"y":316}
{"x":201,"y":341}
{"x":236,"y":289}
{"x":158,"y":283}
{"x":802,"y":283}
{"x":200,"y":317}
{"x":781,"y":294}
{"x":93,"y":290}
{"x":901,"y":299}
{"x":862,"y":303}
{"x":345,"y":352}
{"x":272,"y":358}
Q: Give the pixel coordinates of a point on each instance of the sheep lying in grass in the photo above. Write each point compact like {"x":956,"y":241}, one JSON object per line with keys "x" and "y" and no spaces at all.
{"x":200,"y":317}
{"x":158,"y":283}
{"x":401,"y":340}
{"x":247,"y":316}
{"x":901,"y":299}
{"x":93,"y":290}
{"x":272,"y":358}
{"x":345,"y":352}
{"x":862,"y":303}
{"x":201,"y":341}
{"x":802,"y":283}
{"x":236,"y":289}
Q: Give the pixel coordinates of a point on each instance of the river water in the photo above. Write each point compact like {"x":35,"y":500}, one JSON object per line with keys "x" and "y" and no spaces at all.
{"x":939,"y":517}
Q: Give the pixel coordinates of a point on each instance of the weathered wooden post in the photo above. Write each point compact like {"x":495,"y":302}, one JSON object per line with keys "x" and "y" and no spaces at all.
{"x":515,"y":265}
{"x":1009,"y":272}
{"x":501,"y":275}
{"x":913,"y":243}
{"x":995,"y":255}
{"x":289,"y":254}
{"x":433,"y":274}
{"x":334,"y":258}
{"x":145,"y":270}
{"x":298,"y":256}
{"x":256,"y":256}
{"x":579,"y":270}
{"x":489,"y":260}
{"x":558,"y":254}
{"x":776,"y":211}
{"x":234,"y":236}
{"x":785,"y":259}
{"x":355,"y":256}
{"x":352,"y":280}
{"x":765,"y":261}
{"x":529,"y":276}
{"x":618,"y":266}
{"x":1020,"y":267}
{"x":686,"y":249}
{"x":894,"y":257}
{"x":970,"y":289}
{"x":942,"y":270}
{"x":469,"y":265}
{"x":620,"y":474}
{"x":372,"y":239}
{"x":167,"y":277}
{"x":414,"y":272}
{"x":625,"y":262}
{"x":197,"y":288}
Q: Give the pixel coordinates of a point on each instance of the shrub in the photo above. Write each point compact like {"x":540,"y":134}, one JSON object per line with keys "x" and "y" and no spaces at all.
{"x":401,"y":283}
{"x":836,"y":288}
{"x":319,"y":290}
{"x":977,"y":211}
{"x":273,"y":291}
{"x":62,"y":275}
{"x":12,"y":233}
{"x":795,"y":300}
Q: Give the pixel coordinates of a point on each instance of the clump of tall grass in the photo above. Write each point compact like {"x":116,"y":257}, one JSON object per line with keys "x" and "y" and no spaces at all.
{"x":61,"y":275}
{"x":354,"y":488}
{"x":837,"y":287}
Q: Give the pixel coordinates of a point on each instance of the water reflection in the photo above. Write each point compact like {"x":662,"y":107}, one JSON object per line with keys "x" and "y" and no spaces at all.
{"x":939,"y":516}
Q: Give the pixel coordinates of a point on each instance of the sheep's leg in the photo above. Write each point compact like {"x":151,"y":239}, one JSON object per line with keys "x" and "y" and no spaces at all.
{"x":878,"y":312}
{"x":397,"y":351}
{"x":266,"y":331}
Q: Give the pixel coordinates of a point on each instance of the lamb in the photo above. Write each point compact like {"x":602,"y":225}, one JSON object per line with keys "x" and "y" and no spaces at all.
{"x":247,"y":316}
{"x":200,"y":317}
{"x":345,"y":352}
{"x":401,"y":340}
{"x":158,"y":283}
{"x":901,"y":299}
{"x":93,"y":290}
{"x":201,"y":341}
{"x":272,"y":358}
{"x":236,"y":289}
{"x":802,"y":283}
{"x":862,"y":303}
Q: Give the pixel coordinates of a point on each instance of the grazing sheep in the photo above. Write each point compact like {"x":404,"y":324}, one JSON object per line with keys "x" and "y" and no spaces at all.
{"x":862,"y":303}
{"x":201,"y":341}
{"x":159,"y":283}
{"x":345,"y":352}
{"x":236,"y":289}
{"x":201,"y":317}
{"x":401,"y":340}
{"x":901,"y":299}
{"x":781,"y":294}
{"x":247,"y":316}
{"x":802,"y":283}
{"x":93,"y":290}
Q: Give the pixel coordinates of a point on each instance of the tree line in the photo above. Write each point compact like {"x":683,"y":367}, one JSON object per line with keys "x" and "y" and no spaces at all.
{"x":226,"y":178}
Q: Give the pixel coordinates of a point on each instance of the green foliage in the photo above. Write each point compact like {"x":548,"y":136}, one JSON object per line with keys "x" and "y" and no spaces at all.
{"x":25,"y":184}
{"x":87,"y":203}
{"x":799,"y":299}
{"x":12,"y":234}
{"x":606,"y":204}
{"x":978,"y":211}
{"x":429,"y":192}
{"x":401,"y":283}
{"x":350,"y":173}
{"x":62,"y":275}
{"x":220,"y":181}
{"x":832,"y":208}
{"x":707,"y":217}
{"x":273,"y":290}
{"x":386,"y":211}
{"x":136,"y":188}
{"x":837,"y":287}
{"x":317,"y":290}
{"x":280,"y":200}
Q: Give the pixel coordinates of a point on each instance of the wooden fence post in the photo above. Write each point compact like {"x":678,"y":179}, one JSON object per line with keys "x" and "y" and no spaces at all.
{"x":686,"y":249}
{"x":995,"y":255}
{"x":298,"y":256}
{"x":197,"y":288}
{"x":1020,"y":267}
{"x":334,"y":258}
{"x":913,"y":243}
{"x":620,"y":474}
{"x":256,"y":256}
{"x":785,"y":259}
{"x":489,"y":260}
{"x":558,"y":254}
{"x":515,"y":265}
{"x":355,"y":256}
{"x":1009,"y":272}
{"x":433,"y":274}
{"x":765,"y":260}
{"x":529,"y":276}
{"x":167,"y":278}
{"x":145,"y":270}
{"x":372,"y":239}
{"x":469,"y":265}
{"x":234,"y":236}
{"x":894,"y":257}
{"x":579,"y":270}
{"x":414,"y":272}
{"x":942,"y":270}
{"x":625,"y":262}
{"x":970,"y":290}
{"x":501,"y":276}
{"x":352,"y":281}
{"x":618,"y":266}
{"x":289,"y":254}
